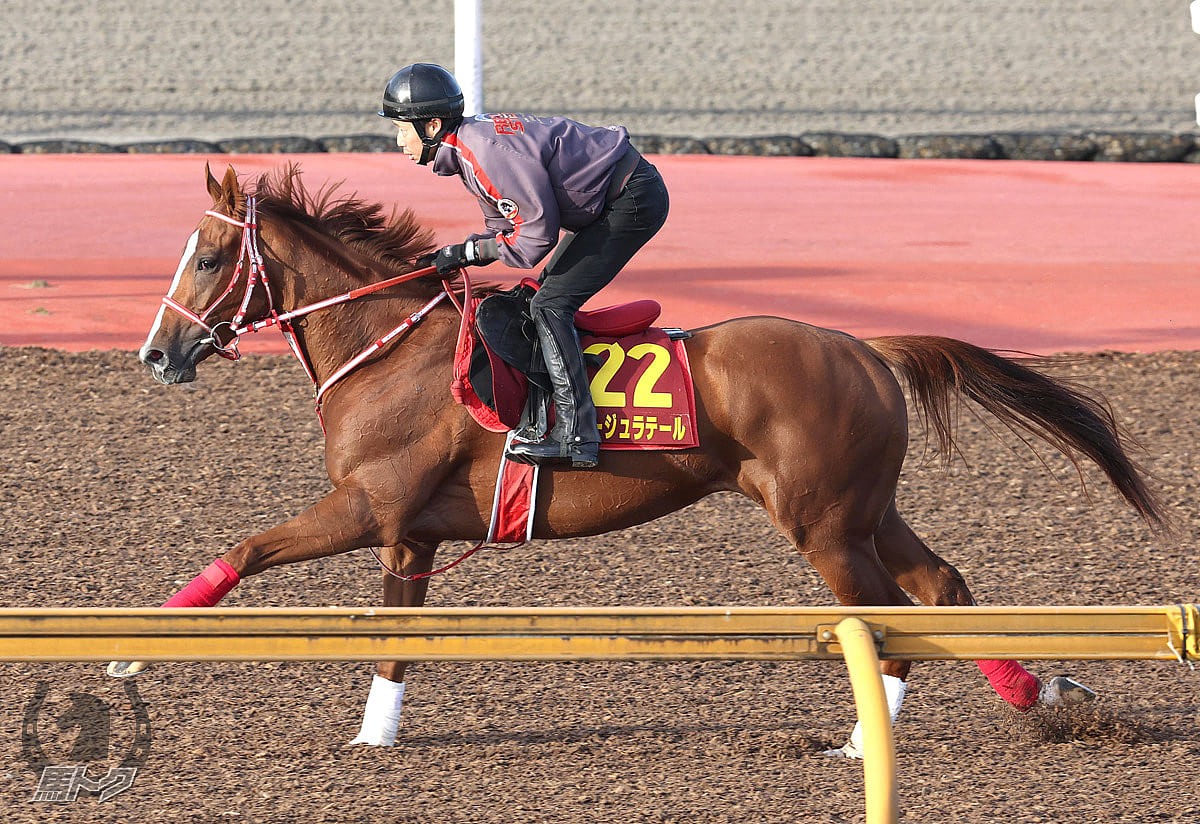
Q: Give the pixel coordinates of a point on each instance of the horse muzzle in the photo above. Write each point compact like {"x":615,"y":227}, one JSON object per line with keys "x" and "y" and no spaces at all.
{"x":169,"y":367}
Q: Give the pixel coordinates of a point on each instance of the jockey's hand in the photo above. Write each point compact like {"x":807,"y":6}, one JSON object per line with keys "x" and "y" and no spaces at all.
{"x":454,"y":257}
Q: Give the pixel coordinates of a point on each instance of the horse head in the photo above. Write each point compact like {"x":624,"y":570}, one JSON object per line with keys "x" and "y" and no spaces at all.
{"x":213,"y":289}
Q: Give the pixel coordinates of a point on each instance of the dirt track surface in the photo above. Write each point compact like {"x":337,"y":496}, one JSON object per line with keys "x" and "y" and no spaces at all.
{"x":114,"y":491}
{"x":130,"y":70}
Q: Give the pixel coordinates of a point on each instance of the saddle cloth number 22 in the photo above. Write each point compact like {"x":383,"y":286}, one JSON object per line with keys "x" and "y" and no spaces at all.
{"x":652,"y":418}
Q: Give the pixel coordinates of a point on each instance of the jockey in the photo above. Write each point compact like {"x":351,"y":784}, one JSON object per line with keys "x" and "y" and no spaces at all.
{"x":535,"y":176}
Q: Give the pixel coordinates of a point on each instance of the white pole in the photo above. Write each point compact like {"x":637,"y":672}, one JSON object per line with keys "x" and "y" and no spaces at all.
{"x":1195,"y":7}
{"x":468,"y":53}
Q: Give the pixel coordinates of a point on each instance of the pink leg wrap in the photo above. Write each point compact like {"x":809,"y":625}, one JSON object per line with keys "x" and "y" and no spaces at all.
{"x":207,"y":588}
{"x":1012,"y":682}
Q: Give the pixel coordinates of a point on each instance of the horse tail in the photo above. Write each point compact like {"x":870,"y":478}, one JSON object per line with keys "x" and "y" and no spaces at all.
{"x":1071,"y":418}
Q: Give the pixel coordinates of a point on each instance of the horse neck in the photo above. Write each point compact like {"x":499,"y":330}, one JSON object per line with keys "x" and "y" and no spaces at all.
{"x":313,"y":270}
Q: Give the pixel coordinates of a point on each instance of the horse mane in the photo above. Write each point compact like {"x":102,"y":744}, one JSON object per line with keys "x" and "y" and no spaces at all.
{"x":393,"y":239}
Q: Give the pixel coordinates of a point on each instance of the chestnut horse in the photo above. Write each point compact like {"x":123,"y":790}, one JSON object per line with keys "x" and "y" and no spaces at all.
{"x":809,"y":423}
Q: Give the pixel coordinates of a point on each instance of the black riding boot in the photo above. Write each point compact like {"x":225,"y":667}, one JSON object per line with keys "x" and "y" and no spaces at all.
{"x":574,"y":434}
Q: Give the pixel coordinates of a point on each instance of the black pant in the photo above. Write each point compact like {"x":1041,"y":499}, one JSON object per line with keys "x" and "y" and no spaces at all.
{"x":586,"y":261}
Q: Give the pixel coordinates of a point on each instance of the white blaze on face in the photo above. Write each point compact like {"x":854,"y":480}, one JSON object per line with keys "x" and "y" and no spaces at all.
{"x":188,"y":251}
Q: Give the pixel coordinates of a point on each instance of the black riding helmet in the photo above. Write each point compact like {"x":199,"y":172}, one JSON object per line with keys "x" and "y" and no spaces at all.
{"x":420,"y":92}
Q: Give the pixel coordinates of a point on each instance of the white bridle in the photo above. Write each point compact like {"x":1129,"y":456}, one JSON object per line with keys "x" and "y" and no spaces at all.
{"x":248,"y":251}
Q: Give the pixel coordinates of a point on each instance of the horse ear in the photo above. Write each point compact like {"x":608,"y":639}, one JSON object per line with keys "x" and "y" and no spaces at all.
{"x":229,"y":182}
{"x":227,"y":193}
{"x":233,"y":192}
{"x":214,"y":188}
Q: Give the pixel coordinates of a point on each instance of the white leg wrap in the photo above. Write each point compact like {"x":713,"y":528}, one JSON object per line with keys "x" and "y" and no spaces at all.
{"x":894,"y":689}
{"x":381,"y":718}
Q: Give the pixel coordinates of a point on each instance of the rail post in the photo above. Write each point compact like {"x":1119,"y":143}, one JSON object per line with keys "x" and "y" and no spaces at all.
{"x":870,"y":702}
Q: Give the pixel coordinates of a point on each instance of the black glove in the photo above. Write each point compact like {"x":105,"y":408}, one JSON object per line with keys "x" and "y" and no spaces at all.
{"x":454,"y":257}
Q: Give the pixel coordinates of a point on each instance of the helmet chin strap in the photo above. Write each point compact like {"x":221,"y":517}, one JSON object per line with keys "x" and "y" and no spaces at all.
{"x":429,"y":149}
{"x":431,"y":144}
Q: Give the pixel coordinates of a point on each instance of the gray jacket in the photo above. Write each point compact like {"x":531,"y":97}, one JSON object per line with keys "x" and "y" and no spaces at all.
{"x":533,"y":176}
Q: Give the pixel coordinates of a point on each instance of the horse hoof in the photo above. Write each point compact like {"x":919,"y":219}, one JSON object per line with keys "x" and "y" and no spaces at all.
{"x":126,"y":669}
{"x":361,"y":739}
{"x":1061,"y":691}
{"x":847,"y":750}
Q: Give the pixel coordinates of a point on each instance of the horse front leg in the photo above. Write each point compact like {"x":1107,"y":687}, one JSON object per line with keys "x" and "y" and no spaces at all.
{"x":381,"y":717}
{"x":343,"y":520}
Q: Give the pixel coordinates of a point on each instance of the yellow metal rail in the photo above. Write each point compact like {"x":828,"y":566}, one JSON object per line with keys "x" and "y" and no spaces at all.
{"x":862,"y":636}
{"x":550,"y":634}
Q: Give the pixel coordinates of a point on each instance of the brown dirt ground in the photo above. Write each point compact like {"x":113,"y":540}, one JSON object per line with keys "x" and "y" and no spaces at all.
{"x":114,"y":491}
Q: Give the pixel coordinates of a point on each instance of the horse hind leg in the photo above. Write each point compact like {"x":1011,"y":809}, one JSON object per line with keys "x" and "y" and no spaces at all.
{"x":850,"y":565}
{"x":381,"y":716}
{"x":936,"y":583}
{"x":915,"y":567}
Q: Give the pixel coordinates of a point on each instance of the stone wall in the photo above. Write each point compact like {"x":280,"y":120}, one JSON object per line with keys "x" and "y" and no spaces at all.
{"x":1141,"y":147}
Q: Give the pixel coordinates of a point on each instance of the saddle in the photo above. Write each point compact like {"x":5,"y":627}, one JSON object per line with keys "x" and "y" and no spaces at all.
{"x":506,"y":373}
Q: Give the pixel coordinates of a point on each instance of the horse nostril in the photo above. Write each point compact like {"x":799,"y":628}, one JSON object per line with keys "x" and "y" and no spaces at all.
{"x":154,"y":356}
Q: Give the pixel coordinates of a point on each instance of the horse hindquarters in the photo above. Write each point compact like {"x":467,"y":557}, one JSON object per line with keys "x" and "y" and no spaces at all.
{"x":816,"y":431}
{"x":827,"y":472}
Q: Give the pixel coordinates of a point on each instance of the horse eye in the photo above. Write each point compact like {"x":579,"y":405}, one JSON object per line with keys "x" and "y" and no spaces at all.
{"x":206,"y":263}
